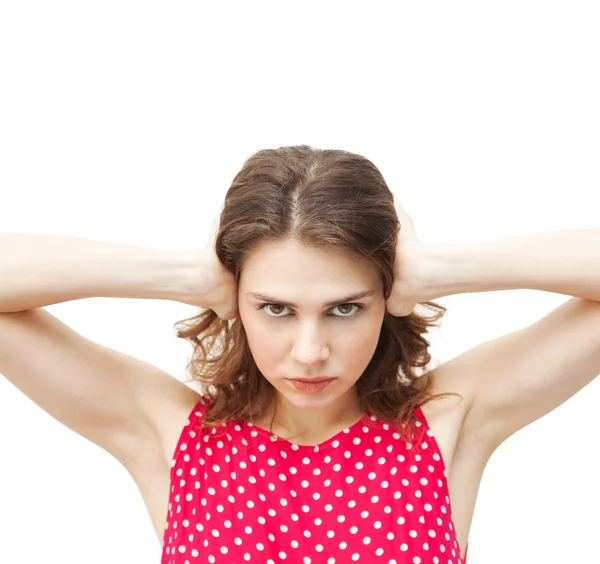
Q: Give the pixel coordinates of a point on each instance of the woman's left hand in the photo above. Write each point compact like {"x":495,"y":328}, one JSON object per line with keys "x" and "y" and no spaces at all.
{"x":408,"y":288}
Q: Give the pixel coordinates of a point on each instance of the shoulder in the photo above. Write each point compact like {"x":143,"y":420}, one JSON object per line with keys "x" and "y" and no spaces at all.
{"x":171,"y":417}
{"x":447,"y":416}
{"x":454,"y":386}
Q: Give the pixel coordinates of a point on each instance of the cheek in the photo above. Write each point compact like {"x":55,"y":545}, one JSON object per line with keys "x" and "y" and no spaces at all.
{"x":359,"y":347}
{"x":263,"y":344}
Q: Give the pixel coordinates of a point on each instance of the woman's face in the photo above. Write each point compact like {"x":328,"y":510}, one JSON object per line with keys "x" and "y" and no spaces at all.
{"x":322,"y":335}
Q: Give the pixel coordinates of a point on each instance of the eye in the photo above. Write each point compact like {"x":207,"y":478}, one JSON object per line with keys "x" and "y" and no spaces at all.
{"x":359,"y":307}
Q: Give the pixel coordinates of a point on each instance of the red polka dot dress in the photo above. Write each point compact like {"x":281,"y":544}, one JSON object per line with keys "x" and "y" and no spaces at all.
{"x":240,"y":494}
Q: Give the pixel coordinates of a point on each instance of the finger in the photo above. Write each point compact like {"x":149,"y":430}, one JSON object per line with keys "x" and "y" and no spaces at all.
{"x":407,"y":227}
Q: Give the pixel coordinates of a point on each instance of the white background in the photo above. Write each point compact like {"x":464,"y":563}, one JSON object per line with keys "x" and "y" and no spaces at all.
{"x":126,"y":122}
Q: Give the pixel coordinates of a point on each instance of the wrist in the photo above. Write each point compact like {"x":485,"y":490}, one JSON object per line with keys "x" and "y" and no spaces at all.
{"x":181,"y":275}
{"x":444,"y":269}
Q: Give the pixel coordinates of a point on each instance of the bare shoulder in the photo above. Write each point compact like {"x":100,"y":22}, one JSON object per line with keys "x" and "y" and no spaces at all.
{"x":171,"y":416}
{"x":449,"y":378}
{"x":465,"y":454}
{"x":167,"y":404}
{"x":448,"y":417}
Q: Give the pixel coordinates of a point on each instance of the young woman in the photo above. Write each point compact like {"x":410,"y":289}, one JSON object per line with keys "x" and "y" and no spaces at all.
{"x":319,"y":434}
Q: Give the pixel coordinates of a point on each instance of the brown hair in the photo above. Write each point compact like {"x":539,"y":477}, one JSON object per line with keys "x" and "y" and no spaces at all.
{"x":325,"y":199}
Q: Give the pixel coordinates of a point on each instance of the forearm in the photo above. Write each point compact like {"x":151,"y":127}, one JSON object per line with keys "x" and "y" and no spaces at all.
{"x":40,"y":270}
{"x":563,"y":262}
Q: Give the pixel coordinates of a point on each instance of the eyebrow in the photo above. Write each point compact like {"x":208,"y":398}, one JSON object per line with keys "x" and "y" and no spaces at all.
{"x":347,"y":299}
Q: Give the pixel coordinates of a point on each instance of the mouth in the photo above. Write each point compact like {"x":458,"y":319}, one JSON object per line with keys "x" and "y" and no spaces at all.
{"x":310,"y":380}
{"x":312,"y":386}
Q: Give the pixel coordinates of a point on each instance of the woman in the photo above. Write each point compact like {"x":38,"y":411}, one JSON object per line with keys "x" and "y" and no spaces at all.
{"x":316,"y":274}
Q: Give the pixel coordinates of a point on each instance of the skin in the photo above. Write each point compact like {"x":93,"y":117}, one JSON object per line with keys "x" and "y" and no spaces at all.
{"x":312,"y":339}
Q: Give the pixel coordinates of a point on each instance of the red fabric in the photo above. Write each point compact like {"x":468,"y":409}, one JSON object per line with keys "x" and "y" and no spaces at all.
{"x":364,"y":495}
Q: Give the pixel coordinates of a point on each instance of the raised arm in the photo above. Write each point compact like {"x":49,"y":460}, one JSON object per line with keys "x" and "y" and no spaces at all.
{"x":517,"y":378}
{"x":41,"y":270}
{"x":118,"y":402}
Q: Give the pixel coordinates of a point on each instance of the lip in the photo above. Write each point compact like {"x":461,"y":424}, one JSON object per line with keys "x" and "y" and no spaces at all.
{"x":310,"y":380}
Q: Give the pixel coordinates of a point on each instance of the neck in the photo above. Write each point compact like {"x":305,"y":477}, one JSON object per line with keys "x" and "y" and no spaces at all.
{"x":290,"y":421}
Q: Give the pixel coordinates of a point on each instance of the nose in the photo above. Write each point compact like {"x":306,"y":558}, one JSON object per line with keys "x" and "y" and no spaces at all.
{"x":310,"y":347}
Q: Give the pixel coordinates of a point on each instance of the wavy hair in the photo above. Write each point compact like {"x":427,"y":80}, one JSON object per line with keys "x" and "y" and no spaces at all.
{"x":330,"y":199}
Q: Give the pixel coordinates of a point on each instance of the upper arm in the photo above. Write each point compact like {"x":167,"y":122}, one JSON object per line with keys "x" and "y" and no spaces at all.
{"x":519,"y":377}
{"x":116,"y":401}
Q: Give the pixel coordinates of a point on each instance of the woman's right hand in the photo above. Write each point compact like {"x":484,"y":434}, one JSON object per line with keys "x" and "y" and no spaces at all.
{"x":207,"y":283}
{"x":220,"y":291}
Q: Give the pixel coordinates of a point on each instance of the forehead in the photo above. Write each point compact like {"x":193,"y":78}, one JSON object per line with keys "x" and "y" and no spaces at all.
{"x":290,"y":267}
